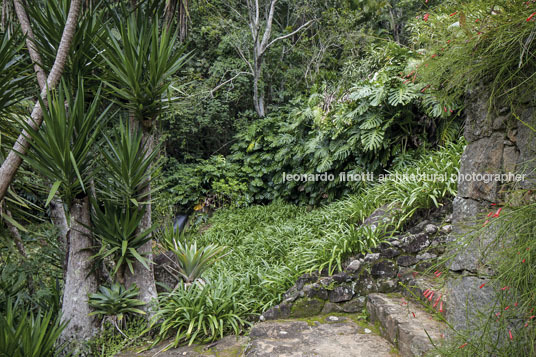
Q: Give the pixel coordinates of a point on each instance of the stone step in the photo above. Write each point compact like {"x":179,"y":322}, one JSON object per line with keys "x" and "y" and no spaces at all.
{"x":320,"y":336}
{"x":405,"y":324}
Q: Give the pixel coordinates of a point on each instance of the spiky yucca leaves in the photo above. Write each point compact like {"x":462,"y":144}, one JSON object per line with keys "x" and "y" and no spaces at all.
{"x":127,"y":167}
{"x":11,"y":80}
{"x":23,"y":334}
{"x":140,"y":58}
{"x":116,"y":229}
{"x":48,"y":22}
{"x":62,"y":149}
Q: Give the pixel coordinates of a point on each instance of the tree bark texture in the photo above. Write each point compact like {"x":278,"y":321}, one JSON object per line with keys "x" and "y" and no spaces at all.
{"x":79,"y":279}
{"x":143,"y":277}
{"x":12,"y":162}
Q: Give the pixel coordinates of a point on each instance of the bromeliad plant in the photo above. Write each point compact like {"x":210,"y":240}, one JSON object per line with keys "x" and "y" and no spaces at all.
{"x":116,"y":302}
{"x":191,"y":260}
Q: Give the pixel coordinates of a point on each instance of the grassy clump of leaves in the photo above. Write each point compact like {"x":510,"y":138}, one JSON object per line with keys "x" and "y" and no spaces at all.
{"x":24,"y":333}
{"x":467,"y":42}
{"x":201,"y":312}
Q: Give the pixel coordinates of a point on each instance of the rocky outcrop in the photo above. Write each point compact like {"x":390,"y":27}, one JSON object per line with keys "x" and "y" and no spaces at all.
{"x":498,"y":142}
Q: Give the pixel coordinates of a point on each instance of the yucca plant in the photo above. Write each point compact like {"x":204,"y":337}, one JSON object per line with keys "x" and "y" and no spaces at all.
{"x":140,"y":58}
{"x":23,"y":334}
{"x":115,"y":303}
{"x":63,"y":147}
{"x":127,"y":167}
{"x":11,"y":80}
{"x":115,"y":227}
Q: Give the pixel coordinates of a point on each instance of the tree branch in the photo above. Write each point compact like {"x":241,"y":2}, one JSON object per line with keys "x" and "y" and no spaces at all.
{"x":288,"y":35}
{"x":12,"y":162}
{"x":227,"y":81}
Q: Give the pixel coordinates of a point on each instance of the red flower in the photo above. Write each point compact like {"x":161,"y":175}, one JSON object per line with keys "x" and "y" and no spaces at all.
{"x":531,"y":16}
{"x":477,"y":20}
{"x":426,"y":16}
{"x":431,"y":296}
{"x":523,"y":261}
{"x":515,"y":305}
{"x":506,"y":308}
{"x":481,"y":286}
{"x":454,"y":13}
{"x":434,"y":55}
{"x":510,"y":333}
{"x":505,"y":288}
{"x":487,"y":221}
{"x":498,"y":212}
{"x":437,"y":301}
{"x":494,"y":204}
{"x":462,"y":346}
{"x":441,"y":306}
{"x":413,"y":314}
{"x":445,"y":109}
{"x":489,"y":214}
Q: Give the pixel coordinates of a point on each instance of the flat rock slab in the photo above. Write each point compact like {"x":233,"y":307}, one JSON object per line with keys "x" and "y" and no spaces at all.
{"x":338,"y":336}
{"x":405,"y":324}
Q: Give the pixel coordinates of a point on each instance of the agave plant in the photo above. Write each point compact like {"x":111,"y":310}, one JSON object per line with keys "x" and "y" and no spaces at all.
{"x":23,"y":334}
{"x":116,"y":302}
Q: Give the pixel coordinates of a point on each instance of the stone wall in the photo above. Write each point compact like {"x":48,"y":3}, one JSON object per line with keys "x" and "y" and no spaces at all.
{"x":391,"y":267}
{"x":498,"y":142}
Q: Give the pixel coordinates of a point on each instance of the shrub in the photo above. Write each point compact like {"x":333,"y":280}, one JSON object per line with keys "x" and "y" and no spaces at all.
{"x":467,"y":42}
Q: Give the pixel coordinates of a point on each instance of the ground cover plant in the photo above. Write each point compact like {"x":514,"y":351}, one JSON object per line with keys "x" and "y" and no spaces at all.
{"x":270,"y":246}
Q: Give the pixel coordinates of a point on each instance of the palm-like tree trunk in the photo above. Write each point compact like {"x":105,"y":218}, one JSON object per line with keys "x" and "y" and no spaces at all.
{"x":143,"y":277}
{"x":12,"y":162}
{"x":79,"y":279}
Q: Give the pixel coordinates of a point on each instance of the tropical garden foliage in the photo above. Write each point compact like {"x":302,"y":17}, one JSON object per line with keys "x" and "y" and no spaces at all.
{"x":154,"y":112}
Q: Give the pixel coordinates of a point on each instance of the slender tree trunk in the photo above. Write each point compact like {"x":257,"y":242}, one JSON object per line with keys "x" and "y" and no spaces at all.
{"x":143,"y":277}
{"x":258,"y":96}
{"x":79,"y":279}
{"x":12,"y":162}
{"x":30,"y":43}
